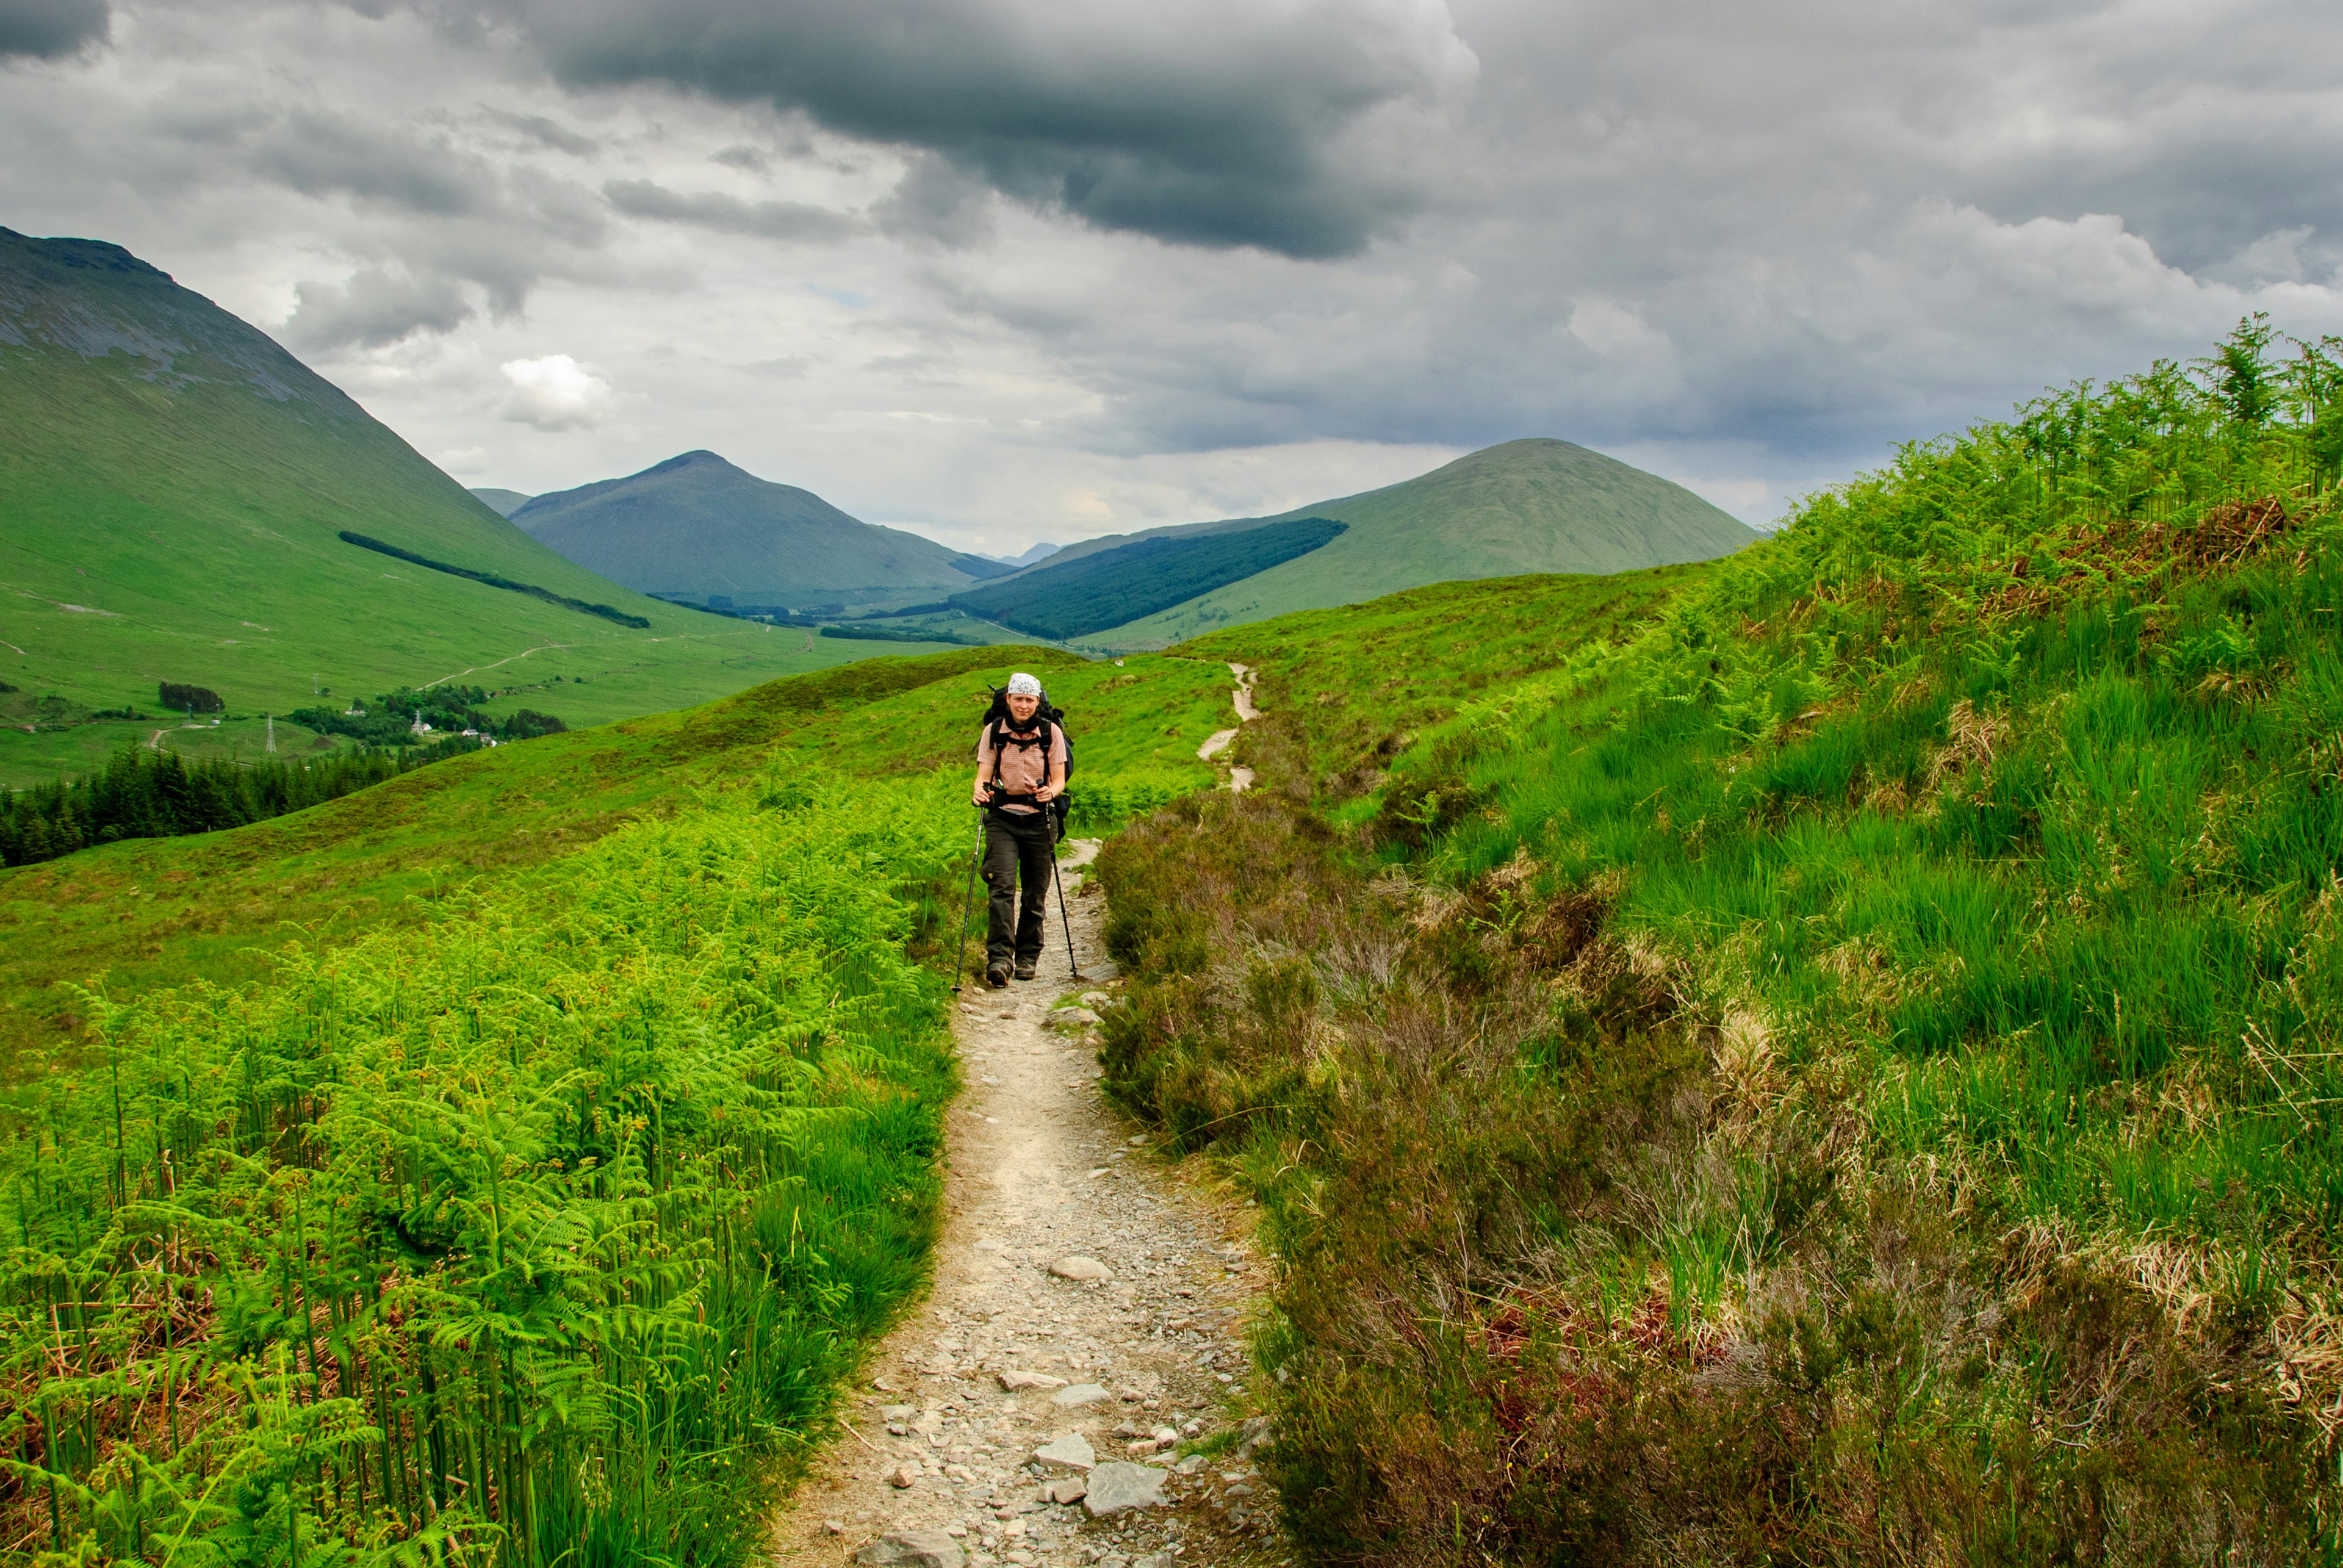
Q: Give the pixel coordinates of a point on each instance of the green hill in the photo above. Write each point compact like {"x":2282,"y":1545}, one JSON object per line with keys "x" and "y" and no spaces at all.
{"x":1535,"y":506}
{"x":504,"y":503}
{"x":173,"y":490}
{"x":697,"y":528}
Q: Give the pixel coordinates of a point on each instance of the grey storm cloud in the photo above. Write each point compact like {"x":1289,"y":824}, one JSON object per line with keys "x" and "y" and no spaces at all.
{"x":320,"y":153}
{"x":50,"y":29}
{"x":746,"y":158}
{"x":715,"y":209}
{"x":936,"y":203}
{"x":375,"y":308}
{"x":546,"y":133}
{"x":1221,"y":123}
{"x":447,"y":217}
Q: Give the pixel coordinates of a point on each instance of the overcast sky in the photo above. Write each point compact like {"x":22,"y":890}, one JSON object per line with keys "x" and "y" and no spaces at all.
{"x":1003,"y":271}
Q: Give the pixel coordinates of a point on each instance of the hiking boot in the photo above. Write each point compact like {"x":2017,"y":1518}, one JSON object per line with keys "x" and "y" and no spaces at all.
{"x":997,"y":977}
{"x":1025,"y":971}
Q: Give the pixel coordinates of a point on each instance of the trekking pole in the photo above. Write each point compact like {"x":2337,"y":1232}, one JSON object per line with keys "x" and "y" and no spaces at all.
{"x":968,"y":908}
{"x":1064,"y":920}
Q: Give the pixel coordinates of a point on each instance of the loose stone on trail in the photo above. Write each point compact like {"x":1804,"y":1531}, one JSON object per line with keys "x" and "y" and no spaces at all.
{"x":1080,"y":1393}
{"x":913,"y":1548}
{"x":1071,"y":1452}
{"x":1118,"y":1485}
{"x":1072,"y":1489}
{"x":1080,"y":1270}
{"x":1013,"y":1380}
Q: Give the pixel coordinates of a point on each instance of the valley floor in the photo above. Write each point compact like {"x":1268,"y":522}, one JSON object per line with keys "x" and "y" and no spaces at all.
{"x":1043,"y":1171}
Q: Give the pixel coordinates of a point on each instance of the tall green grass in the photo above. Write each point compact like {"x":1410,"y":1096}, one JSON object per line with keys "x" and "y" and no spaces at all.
{"x":1846,"y":1071}
{"x":537,"y":1233}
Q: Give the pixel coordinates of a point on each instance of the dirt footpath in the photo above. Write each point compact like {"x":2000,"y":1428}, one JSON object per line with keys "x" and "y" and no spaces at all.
{"x":1073,"y":1393}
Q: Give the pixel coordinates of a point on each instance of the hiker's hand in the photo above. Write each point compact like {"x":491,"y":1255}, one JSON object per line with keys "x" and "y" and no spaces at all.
{"x":1046,"y":793}
{"x":982,"y":797}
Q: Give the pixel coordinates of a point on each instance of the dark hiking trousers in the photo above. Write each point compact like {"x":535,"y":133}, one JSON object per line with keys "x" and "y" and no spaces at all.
{"x":1017,"y":850}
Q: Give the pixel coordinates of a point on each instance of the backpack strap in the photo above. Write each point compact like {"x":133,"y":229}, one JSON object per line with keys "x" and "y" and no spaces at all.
{"x":1003,"y":738}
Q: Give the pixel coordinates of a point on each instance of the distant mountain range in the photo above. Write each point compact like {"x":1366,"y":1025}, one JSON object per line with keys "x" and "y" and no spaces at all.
{"x":696,"y":528}
{"x":182,"y":500}
{"x":1533,"y":506}
{"x":700,"y":529}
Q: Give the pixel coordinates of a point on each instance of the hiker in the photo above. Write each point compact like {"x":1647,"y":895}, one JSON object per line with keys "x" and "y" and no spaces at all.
{"x":1021,"y":769}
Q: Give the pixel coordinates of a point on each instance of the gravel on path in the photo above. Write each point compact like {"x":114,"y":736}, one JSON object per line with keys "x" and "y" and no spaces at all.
{"x":1090,"y":1300}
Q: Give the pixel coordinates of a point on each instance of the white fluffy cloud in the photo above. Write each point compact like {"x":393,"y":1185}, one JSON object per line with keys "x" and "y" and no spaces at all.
{"x":1007,"y":272}
{"x":555,"y":393}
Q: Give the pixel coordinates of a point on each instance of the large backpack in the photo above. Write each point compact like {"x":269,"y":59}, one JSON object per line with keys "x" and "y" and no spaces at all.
{"x":1054,"y":719}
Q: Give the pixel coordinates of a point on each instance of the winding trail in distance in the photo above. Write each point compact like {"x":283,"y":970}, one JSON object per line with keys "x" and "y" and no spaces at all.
{"x":1240,"y":779}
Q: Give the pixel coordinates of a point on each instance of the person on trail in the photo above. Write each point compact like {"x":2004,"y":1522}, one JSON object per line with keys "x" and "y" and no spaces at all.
{"x":1021,"y":769}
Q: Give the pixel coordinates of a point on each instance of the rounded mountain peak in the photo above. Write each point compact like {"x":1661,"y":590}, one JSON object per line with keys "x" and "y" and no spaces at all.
{"x":700,"y":457}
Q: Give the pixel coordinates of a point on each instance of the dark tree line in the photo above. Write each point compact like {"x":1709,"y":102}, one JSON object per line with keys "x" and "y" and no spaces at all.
{"x":606,"y":611}
{"x":147,"y":794}
{"x":181,"y":697}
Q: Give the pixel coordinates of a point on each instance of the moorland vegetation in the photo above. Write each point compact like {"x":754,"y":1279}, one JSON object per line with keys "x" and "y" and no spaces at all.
{"x":1847,"y":1072}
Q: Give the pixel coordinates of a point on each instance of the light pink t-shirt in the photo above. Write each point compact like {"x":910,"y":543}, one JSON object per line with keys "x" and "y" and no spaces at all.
{"x":1022,"y":771}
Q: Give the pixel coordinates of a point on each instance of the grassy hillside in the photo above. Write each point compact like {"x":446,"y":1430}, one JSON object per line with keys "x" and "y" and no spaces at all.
{"x":1111,"y":586}
{"x":172,"y":489}
{"x":593,"y":1085}
{"x":1847,"y":1073}
{"x":696,"y":526}
{"x":1533,"y":506}
{"x":136,"y":915}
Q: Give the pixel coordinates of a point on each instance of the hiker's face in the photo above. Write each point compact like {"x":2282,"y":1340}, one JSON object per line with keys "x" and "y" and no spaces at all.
{"x":1022,"y":707}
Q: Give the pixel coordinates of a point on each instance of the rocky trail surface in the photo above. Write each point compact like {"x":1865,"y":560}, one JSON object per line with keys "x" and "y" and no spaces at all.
{"x":1074,"y":1391}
